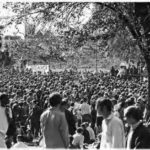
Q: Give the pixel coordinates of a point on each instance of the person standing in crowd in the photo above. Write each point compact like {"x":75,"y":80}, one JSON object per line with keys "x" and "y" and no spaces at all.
{"x":69,"y":117}
{"x":86,"y":133}
{"x":112,"y":127}
{"x":5,"y":115}
{"x":91,"y":132}
{"x":54,"y":125}
{"x":138,"y":136}
{"x":85,"y":111}
{"x":93,"y":116}
{"x":35,"y":119}
{"x":34,"y":89}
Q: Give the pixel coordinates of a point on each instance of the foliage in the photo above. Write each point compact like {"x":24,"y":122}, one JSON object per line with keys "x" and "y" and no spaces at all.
{"x":123,"y":26}
{"x":123,"y":46}
{"x":115,"y":24}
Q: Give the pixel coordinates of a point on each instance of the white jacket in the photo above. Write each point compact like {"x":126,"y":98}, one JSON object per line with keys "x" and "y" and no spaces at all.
{"x":113,"y":135}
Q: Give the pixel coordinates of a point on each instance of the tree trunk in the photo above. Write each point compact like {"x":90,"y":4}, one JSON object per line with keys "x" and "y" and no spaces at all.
{"x":147,"y":60}
{"x":142,"y":13}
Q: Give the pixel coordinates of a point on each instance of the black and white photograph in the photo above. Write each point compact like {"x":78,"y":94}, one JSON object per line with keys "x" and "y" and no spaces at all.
{"x":75,"y":75}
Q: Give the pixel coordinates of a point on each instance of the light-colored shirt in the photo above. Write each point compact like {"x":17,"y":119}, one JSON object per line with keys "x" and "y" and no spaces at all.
{"x":20,"y":145}
{"x":85,"y":108}
{"x":112,"y":133}
{"x":91,"y":133}
{"x":78,"y":140}
{"x":129,"y":139}
{"x":78,"y":114}
{"x":2,"y":141}
{"x":3,"y":120}
{"x":54,"y":128}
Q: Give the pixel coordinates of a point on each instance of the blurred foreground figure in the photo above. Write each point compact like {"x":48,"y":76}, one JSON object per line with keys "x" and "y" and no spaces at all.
{"x":5,"y":115}
{"x":112,"y":127}
{"x":138,"y":135}
{"x":54,"y":125}
{"x":20,"y":143}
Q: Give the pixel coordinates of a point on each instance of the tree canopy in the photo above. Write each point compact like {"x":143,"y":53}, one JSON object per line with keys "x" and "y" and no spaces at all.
{"x":122,"y":28}
{"x":78,"y":23}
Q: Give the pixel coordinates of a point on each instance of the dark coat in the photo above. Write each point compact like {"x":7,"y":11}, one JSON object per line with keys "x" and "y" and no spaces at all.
{"x":71,"y":121}
{"x":140,"y":138}
{"x":86,"y":136}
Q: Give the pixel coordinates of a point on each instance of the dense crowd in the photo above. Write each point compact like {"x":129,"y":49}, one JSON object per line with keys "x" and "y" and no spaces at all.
{"x":72,"y":101}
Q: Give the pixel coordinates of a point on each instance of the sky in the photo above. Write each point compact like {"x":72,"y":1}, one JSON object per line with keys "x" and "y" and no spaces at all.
{"x":11,"y":29}
{"x":4,"y":12}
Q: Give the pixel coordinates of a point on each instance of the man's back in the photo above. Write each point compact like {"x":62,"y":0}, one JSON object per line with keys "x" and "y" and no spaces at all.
{"x":55,"y":129}
{"x":85,"y":108}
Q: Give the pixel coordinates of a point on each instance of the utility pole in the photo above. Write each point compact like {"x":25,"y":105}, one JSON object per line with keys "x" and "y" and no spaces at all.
{"x":96,"y":61}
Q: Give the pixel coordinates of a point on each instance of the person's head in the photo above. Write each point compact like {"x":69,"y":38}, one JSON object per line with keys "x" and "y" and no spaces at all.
{"x":34,"y":102}
{"x":4,"y":100}
{"x":64,"y":103}
{"x":86,"y":124}
{"x":130,"y":101}
{"x":132,"y":115}
{"x":104,"y":107}
{"x":114,"y":102}
{"x":140,"y":102}
{"x":72,"y":104}
{"x":55,"y":99}
{"x":81,"y":101}
{"x":80,"y":130}
{"x":83,"y":126}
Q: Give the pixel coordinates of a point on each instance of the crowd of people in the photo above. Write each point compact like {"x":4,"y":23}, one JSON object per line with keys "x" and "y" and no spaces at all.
{"x":72,"y":109}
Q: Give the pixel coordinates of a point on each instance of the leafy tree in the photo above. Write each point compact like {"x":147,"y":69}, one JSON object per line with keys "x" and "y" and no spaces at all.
{"x":107,"y":20}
